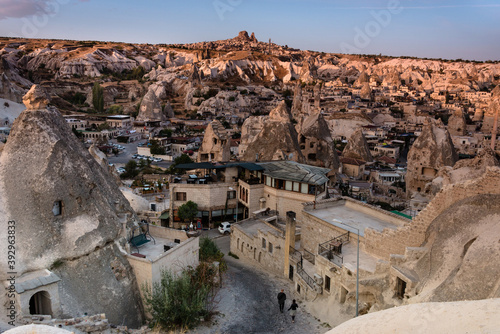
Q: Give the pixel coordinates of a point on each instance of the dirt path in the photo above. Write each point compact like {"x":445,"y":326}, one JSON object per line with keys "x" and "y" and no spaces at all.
{"x":248,"y":303}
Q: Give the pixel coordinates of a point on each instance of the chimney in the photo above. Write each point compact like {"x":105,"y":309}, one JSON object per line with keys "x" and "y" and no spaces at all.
{"x":289,"y":239}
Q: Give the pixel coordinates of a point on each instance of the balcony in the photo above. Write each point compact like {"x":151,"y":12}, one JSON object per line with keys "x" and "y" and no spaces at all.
{"x":332,"y":249}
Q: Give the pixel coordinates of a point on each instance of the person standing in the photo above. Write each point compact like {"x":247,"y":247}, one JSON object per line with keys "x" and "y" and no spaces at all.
{"x":293,"y":310}
{"x":281,"y":300}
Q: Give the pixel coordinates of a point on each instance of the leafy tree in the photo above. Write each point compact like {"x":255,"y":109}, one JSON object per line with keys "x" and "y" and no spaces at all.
{"x":156,"y":147}
{"x":98,"y":97}
{"x":115,"y":109}
{"x":183,"y":159}
{"x":177,"y":301}
{"x":165,"y":133}
{"x":188,"y":211}
{"x":131,"y":170}
{"x":103,"y":126}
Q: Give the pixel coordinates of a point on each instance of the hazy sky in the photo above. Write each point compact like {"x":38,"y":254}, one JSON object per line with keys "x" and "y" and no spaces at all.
{"x":423,"y":28}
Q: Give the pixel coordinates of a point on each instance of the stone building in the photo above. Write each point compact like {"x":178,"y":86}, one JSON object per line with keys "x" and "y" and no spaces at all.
{"x":216,"y":145}
{"x":246,"y":188}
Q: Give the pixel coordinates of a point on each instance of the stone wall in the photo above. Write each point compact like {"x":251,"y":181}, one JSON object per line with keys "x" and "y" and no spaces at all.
{"x":250,"y":246}
{"x":412,"y":233}
{"x":167,"y":233}
{"x":207,"y":196}
{"x":284,"y":200}
{"x":148,"y":271}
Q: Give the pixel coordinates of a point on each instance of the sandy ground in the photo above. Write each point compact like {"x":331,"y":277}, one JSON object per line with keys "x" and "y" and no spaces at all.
{"x":247,"y":303}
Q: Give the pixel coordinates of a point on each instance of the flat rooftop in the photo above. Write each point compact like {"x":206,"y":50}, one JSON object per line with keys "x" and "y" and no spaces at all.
{"x":153,"y":251}
{"x":340,"y":213}
{"x":252,"y":226}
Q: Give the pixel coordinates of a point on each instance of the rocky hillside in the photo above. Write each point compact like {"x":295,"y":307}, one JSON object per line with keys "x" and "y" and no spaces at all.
{"x":239,"y":74}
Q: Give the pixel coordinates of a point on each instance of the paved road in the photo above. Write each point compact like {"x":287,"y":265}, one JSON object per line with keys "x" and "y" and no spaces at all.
{"x":126,"y":155}
{"x":248,"y":302}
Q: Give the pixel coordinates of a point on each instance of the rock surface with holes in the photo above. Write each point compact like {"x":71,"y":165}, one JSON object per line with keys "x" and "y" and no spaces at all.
{"x":70,"y":216}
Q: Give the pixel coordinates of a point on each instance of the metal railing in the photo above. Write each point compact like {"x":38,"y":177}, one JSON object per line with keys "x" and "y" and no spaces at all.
{"x":297,"y":256}
{"x":332,"y":249}
{"x":305,"y":276}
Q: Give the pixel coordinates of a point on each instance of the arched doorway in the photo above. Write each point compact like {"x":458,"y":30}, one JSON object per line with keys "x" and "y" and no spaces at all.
{"x":40,"y":303}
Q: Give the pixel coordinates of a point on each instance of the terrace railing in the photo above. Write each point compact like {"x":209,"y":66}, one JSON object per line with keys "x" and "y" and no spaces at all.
{"x":332,"y":249}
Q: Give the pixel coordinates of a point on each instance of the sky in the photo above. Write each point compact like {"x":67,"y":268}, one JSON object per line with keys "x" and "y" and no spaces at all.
{"x":448,"y":29}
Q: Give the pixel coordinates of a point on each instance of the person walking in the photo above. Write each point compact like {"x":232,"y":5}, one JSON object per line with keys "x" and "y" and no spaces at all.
{"x":281,"y":300}
{"x":293,"y":310}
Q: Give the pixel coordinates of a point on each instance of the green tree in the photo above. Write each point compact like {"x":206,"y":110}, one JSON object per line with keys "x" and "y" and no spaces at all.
{"x":183,"y":159}
{"x":131,"y":170}
{"x":98,"y":97}
{"x":165,"y":133}
{"x":115,"y":109}
{"x":188,"y":211}
{"x":103,"y":126}
{"x":156,"y":147}
{"x":177,"y":301}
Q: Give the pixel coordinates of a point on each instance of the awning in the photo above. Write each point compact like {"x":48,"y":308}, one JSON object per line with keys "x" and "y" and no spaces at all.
{"x":195,"y":165}
{"x":165,"y":215}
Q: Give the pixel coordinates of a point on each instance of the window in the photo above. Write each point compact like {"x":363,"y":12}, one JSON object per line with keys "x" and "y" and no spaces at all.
{"x":296,"y":186}
{"x":288,"y":185}
{"x":263,"y":243}
{"x":303,"y":189}
{"x":268,"y":181}
{"x":57,"y":208}
{"x":180,"y":196}
{"x":270,"y":247}
{"x":327,"y":283}
{"x":231,"y":194}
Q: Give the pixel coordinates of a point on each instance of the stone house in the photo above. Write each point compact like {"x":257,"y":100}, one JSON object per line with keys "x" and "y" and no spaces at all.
{"x":353,"y":167}
{"x":170,"y":250}
{"x":212,"y":188}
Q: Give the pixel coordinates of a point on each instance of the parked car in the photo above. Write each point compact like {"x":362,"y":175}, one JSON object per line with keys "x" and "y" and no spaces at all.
{"x":135,"y":156}
{"x":225,"y":228}
{"x":121,"y":170}
{"x":157,"y":159}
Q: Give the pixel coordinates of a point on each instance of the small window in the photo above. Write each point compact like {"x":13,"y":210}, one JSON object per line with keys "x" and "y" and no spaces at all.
{"x":327,"y":283}
{"x":288,"y":185}
{"x":180,"y":196}
{"x":231,"y":194}
{"x":298,"y":288}
{"x":296,"y":186}
{"x":57,"y":208}
{"x":270,"y":247}
{"x":153,"y":206}
{"x":303,"y":188}
{"x":263,"y":243}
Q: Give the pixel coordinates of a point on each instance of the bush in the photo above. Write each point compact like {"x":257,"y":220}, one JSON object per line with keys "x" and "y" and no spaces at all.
{"x":177,"y":302}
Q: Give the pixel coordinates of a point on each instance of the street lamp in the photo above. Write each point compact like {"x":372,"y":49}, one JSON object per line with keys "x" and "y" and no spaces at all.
{"x":357,"y":265}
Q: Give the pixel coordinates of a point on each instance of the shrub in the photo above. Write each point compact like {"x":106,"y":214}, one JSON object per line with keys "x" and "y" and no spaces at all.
{"x":176,"y":302}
